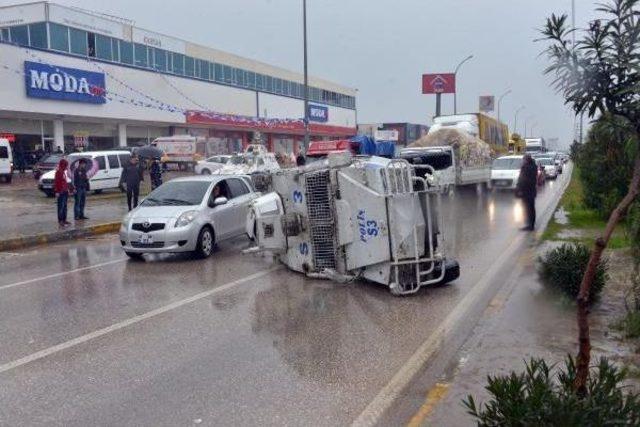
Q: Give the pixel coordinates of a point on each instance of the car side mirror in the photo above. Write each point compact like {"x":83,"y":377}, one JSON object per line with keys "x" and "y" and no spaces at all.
{"x":219,"y":201}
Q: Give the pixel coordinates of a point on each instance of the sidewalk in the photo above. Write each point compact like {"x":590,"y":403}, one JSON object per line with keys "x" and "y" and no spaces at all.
{"x":528,"y":320}
{"x":29,"y":217}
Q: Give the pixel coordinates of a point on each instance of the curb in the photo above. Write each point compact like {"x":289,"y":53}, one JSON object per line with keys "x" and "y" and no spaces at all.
{"x":58,"y":236}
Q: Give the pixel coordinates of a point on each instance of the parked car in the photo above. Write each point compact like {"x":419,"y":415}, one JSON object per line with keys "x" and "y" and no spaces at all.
{"x":212,"y":164}
{"x":184,"y":215}
{"x":505,"y":172}
{"x":6,"y":160}
{"x":46,"y":164}
{"x":550,"y":167}
{"x":107,"y":177}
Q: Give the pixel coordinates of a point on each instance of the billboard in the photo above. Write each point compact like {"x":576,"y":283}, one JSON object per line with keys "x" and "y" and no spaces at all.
{"x":439,"y":83}
{"x":318,"y":113}
{"x":487,"y":103}
{"x":62,"y":83}
{"x":386,"y":135}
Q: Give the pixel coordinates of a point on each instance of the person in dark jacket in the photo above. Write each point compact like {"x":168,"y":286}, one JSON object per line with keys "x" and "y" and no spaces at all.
{"x":62,"y":187}
{"x":81,"y":184}
{"x":528,"y":188}
{"x":155,"y":173}
{"x":300,"y":160}
{"x":131,"y":177}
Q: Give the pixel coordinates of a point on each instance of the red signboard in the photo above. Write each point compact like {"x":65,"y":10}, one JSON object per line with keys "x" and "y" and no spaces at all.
{"x":8,"y":136}
{"x":439,"y":83}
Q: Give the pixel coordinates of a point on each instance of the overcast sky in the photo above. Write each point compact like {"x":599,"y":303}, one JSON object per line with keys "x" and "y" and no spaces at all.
{"x":382,"y":47}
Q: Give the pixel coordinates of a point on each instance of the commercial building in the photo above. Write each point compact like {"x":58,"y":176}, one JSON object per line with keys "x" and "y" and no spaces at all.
{"x":75,"y":77}
{"x":406,"y":132}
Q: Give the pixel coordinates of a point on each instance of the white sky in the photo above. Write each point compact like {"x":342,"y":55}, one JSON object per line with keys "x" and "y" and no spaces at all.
{"x":381,"y":47}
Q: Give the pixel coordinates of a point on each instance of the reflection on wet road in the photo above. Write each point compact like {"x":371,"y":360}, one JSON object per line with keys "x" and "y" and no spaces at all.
{"x":274,"y":350}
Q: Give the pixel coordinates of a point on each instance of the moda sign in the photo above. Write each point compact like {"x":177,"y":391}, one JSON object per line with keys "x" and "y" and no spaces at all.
{"x":66,"y":84}
{"x":318,"y":113}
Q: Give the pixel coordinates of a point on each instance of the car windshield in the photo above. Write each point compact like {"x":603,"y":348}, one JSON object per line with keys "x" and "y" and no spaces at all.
{"x":178,"y":193}
{"x":546,"y":161}
{"x":51,"y":159}
{"x":511,"y":163}
{"x":237,"y":160}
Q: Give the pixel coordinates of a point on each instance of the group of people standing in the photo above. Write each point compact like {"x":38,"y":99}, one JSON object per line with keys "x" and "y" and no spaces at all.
{"x":65,"y":184}
{"x":77,"y":183}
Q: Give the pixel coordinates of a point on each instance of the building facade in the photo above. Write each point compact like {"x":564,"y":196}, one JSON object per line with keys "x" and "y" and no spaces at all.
{"x":74,"y":77}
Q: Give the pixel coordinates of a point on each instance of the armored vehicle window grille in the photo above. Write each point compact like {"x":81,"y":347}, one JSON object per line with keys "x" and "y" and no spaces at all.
{"x":321,"y":221}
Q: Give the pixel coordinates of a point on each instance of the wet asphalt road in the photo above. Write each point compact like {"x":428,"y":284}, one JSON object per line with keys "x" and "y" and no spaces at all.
{"x":89,"y":338}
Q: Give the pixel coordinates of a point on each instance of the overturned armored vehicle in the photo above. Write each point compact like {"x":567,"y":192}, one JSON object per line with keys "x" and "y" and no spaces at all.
{"x":347,"y":218}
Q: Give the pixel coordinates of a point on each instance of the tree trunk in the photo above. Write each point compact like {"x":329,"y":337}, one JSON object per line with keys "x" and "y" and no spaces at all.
{"x":584,"y":352}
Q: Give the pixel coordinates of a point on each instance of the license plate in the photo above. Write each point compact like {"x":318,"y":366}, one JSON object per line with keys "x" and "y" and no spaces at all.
{"x":502,"y":183}
{"x":145,"y":239}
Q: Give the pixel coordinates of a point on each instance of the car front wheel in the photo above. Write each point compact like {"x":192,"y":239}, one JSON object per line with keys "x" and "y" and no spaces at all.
{"x":204,"y":246}
{"x":206,"y":172}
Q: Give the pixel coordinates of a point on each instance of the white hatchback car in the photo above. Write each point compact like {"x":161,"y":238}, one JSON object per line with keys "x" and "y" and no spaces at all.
{"x":188,"y":214}
{"x":505,"y":172}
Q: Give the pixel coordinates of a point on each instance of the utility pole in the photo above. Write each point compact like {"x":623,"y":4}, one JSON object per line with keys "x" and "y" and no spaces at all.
{"x":515,"y":119}
{"x":455,"y":100}
{"x":306,"y":78}
{"x":438,"y":103}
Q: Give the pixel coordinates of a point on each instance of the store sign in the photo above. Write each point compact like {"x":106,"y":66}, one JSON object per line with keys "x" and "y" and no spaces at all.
{"x":81,"y":139}
{"x":22,"y":14}
{"x":318,"y":113}
{"x":11,"y":137}
{"x":486,"y":103}
{"x":66,"y":84}
{"x":386,"y":135}
{"x":438,"y":83}
{"x":86,"y":21}
{"x":160,"y":41}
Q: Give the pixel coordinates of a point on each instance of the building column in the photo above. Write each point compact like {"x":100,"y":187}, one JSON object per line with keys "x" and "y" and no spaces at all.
{"x":58,"y":134}
{"x":122,"y":135}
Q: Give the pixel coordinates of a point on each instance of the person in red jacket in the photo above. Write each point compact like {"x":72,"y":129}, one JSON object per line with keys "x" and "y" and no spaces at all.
{"x":62,"y":188}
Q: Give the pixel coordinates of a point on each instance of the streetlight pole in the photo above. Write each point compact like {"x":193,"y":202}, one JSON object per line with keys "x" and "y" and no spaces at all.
{"x":507,"y":92}
{"x":525,"y":124}
{"x":515,"y":119}
{"x":533,"y":126}
{"x":500,"y":134}
{"x":306,"y":78}
{"x":455,"y":93}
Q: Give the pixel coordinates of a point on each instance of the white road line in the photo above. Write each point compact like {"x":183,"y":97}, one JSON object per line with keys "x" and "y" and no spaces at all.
{"x":390,"y":392}
{"x":120,"y":325}
{"x":62,"y":273}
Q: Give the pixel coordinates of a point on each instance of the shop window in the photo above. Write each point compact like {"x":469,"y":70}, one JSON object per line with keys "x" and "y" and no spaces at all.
{"x":140,"y":55}
{"x":286,"y":87}
{"x":219,"y":72}
{"x":78,"y":41}
{"x":240,"y":81}
{"x":259,"y":81}
{"x":228,"y":73}
{"x":204,"y":70}
{"x":277,"y":85}
{"x":4,"y":35}
{"x":212,"y":71}
{"x":38,"y":35}
{"x":189,"y":66}
{"x":268,"y":85}
{"x":91,"y":44}
{"x":178,"y":63}
{"x":160,"y":59}
{"x":126,"y":52}
{"x":20,"y":35}
{"x":104,"y":48}
{"x":59,"y":37}
{"x":251,"y":80}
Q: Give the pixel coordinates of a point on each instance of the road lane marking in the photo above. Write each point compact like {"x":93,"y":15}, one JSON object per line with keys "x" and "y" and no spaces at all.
{"x":390,"y":392}
{"x":136,"y":319}
{"x":393,"y":389}
{"x":62,"y":273}
{"x":435,"y":395}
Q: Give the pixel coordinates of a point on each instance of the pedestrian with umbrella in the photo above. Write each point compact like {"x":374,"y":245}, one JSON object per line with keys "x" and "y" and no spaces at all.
{"x":155,"y":172}
{"x":527,"y":189}
{"x":131,"y":178}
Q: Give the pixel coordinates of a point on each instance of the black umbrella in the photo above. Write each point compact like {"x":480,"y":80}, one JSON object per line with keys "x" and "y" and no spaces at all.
{"x":149,"y":152}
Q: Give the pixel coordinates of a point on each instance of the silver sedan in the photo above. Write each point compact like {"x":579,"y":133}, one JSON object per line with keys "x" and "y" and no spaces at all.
{"x":188,"y":215}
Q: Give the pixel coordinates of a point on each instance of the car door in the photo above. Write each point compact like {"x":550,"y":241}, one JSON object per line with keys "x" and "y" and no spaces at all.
{"x":100,"y":180}
{"x":222,"y":216}
{"x":115,"y":169}
{"x":241,"y":198}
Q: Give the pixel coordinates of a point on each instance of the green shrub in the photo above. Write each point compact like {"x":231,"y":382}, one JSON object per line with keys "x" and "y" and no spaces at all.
{"x":535,"y":398}
{"x":563,"y":267}
{"x":630,"y":324}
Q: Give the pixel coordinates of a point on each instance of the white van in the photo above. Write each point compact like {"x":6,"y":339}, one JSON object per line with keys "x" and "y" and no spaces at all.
{"x":6,"y":160}
{"x":110,"y":164}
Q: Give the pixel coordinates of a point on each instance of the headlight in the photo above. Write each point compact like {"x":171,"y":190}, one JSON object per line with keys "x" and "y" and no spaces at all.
{"x":186,"y":218}
{"x":126,"y":221}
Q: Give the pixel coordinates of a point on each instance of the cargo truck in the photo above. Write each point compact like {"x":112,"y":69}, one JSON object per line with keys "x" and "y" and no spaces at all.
{"x":479,"y":125}
{"x":535,"y":145}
